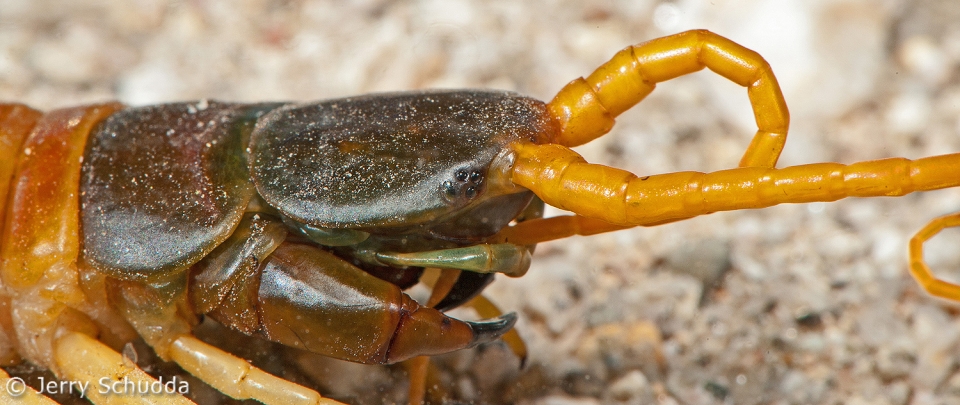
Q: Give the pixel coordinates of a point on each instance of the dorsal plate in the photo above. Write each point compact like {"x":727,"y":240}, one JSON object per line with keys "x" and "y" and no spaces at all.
{"x":382,"y":160}
{"x":163,"y":185}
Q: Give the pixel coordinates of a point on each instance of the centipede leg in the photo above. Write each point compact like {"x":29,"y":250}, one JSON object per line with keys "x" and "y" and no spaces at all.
{"x":420,"y":369}
{"x":445,"y":283}
{"x":155,"y":311}
{"x":236,"y":378}
{"x":586,"y":108}
{"x":417,"y":368}
{"x":546,"y":229}
{"x":918,"y":267}
{"x":83,"y":358}
{"x":507,"y":258}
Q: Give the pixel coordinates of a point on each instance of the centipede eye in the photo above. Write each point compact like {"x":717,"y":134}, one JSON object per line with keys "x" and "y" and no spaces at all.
{"x":449,"y":190}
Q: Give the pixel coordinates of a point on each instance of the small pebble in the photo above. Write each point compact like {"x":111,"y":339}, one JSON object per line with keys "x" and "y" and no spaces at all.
{"x":632,"y":388}
{"x":719,"y":391}
{"x":565,"y":400}
{"x":706,"y":260}
{"x":895,"y":362}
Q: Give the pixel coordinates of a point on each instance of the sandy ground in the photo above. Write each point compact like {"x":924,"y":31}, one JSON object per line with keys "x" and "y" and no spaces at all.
{"x":806,"y":303}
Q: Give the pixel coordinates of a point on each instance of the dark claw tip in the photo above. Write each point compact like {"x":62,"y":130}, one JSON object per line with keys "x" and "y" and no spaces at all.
{"x":491,"y":329}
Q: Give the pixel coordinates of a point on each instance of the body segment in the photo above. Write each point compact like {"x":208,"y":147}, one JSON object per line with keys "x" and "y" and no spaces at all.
{"x":163,"y":186}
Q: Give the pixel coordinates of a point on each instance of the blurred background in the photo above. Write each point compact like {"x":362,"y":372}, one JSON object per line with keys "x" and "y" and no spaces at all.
{"x":808,"y":303}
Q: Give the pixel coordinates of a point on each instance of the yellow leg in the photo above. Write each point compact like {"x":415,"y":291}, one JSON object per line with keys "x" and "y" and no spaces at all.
{"x":919,"y":269}
{"x":236,"y":378}
{"x":160,"y":323}
{"x":443,"y":285}
{"x":586,"y":108}
{"x":546,"y":229}
{"x":418,"y":368}
{"x":110,"y":379}
{"x":561,"y":226}
{"x":563,"y":179}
